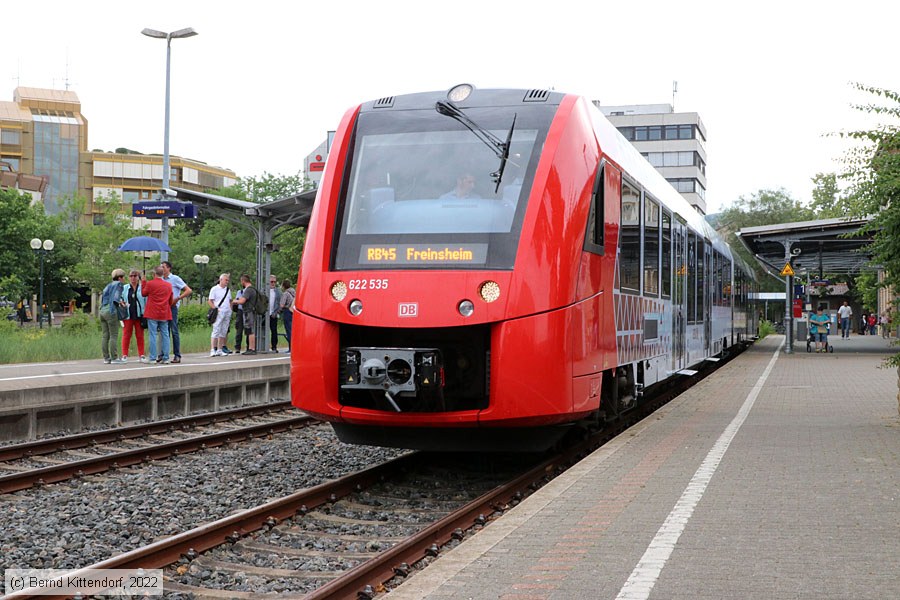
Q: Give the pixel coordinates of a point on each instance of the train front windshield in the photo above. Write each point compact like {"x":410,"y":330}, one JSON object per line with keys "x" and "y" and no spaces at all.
{"x":424,"y":192}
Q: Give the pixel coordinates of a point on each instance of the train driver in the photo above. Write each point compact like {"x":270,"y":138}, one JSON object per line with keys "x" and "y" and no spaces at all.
{"x":464,"y":190}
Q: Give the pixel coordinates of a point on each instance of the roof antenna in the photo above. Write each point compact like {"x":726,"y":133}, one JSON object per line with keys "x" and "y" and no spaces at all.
{"x":67,"y":69}
{"x":674,"y":89}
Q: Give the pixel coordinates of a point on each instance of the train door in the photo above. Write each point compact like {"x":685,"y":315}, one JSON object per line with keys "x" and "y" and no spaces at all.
{"x":679,"y":298}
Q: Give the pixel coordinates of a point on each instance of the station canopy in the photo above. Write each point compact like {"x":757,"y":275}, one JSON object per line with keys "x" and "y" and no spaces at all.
{"x":821,"y":247}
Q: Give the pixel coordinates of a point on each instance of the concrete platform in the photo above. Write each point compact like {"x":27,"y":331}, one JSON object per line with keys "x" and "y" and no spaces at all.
{"x":776,"y":478}
{"x":36,"y":399}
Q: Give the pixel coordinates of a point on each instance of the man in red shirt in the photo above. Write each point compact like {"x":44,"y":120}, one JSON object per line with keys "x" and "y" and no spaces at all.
{"x":158,"y":311}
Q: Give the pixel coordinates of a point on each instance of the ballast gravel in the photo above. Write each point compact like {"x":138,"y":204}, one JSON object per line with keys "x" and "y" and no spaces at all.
{"x":80,"y":522}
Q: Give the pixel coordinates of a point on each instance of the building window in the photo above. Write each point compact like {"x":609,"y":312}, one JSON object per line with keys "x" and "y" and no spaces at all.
{"x":13,"y":162}
{"x":11,"y":136}
{"x":675,"y":159}
{"x":627,"y":132}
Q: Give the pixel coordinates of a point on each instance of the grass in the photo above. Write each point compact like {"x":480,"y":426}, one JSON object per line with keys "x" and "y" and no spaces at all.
{"x":34,"y":345}
{"x":78,"y":338}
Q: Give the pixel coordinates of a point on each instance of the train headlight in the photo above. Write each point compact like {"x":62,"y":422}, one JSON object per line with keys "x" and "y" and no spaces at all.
{"x":460,"y":92}
{"x":338,"y":290}
{"x":466,"y":308}
{"x":356,"y":307}
{"x":489,"y":291}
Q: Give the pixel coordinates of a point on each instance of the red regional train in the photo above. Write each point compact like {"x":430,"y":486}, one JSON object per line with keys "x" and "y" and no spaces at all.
{"x":486,"y":268}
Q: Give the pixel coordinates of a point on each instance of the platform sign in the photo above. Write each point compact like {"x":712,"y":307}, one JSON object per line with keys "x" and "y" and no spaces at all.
{"x":787,"y":271}
{"x":172,"y":209}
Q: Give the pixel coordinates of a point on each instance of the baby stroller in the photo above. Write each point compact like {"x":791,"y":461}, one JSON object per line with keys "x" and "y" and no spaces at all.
{"x":811,"y":342}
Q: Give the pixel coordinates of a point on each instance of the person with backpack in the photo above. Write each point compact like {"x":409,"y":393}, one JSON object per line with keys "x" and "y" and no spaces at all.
{"x":248,"y":303}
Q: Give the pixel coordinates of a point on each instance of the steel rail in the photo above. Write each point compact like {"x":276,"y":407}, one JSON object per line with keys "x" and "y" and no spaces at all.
{"x":365,"y":580}
{"x":90,"y":466}
{"x":104,"y":436}
{"x":168,"y":551}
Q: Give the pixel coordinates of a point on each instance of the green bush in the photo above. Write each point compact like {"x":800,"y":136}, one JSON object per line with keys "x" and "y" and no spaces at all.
{"x":192,"y":316}
{"x":79,"y":323}
{"x":765,"y":328}
{"x":6,"y":326}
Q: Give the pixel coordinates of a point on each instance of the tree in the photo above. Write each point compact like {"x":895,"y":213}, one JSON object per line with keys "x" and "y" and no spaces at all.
{"x":98,"y":255}
{"x":20,"y":222}
{"x":765,"y":207}
{"x":873,"y":173}
{"x":828,"y":201}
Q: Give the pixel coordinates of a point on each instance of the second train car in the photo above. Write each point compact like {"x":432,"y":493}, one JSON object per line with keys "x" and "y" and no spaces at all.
{"x":485,"y":268}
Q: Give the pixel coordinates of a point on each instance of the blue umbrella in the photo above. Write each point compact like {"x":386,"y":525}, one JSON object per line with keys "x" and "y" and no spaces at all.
{"x":144,"y":243}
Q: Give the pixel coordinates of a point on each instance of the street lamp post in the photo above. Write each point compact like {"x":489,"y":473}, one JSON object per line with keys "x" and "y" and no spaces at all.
{"x":201,"y":260}
{"x":181,"y":33}
{"x":41,"y":248}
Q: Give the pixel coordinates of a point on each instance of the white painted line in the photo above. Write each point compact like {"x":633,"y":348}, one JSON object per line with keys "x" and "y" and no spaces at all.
{"x":154,"y":367}
{"x":644,"y":576}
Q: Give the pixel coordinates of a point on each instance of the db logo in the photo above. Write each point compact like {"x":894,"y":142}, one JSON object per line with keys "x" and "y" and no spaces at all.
{"x":409,"y":309}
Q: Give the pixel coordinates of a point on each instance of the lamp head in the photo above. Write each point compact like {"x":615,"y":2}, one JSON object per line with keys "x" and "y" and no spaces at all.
{"x":183,"y":33}
{"x":154,"y":33}
{"x":35,"y":244}
{"x":48,"y":245}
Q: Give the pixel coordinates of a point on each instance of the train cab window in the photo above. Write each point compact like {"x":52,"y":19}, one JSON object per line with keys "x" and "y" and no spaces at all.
{"x":420,"y":191}
{"x":593,"y":240}
{"x":666,"y":254}
{"x":651,"y":247}
{"x":630,"y":240}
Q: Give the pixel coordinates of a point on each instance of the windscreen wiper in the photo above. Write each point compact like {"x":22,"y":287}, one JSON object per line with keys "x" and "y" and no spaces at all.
{"x":499,"y":147}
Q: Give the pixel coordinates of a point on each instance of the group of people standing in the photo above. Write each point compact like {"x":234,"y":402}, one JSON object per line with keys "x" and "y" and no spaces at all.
{"x":138,"y":305}
{"x":280,"y":307}
{"x":868,"y":322}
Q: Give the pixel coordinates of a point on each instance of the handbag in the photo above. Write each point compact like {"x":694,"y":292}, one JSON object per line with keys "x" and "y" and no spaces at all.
{"x":121,"y":311}
{"x":144,"y":324}
{"x":213,"y":313}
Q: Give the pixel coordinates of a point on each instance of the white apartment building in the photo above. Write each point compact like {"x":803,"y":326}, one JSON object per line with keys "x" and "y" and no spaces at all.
{"x":673,"y":142}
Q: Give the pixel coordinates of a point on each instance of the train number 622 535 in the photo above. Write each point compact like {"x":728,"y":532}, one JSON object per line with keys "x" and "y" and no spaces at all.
{"x":368,"y":284}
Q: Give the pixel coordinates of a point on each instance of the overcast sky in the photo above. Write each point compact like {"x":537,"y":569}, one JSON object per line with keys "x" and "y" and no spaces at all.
{"x":261,"y":85}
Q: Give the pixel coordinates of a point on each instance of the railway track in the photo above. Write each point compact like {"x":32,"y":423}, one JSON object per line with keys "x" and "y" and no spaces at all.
{"x":19,"y":478}
{"x":359,"y":535}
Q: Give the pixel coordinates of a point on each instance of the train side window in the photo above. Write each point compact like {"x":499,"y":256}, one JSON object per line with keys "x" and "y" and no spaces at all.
{"x":651,"y":247}
{"x":692,"y":277}
{"x":702,"y":278}
{"x":716,"y":278}
{"x":594,"y":238}
{"x":630,"y":240}
{"x":666,"y":254}
{"x":726,"y":292}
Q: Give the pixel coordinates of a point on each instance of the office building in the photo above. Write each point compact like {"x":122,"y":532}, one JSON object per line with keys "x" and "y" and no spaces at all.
{"x":43,"y":134}
{"x":673,"y":142}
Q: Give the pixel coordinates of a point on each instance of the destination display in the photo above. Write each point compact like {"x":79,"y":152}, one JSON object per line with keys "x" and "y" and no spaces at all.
{"x":158,"y":210}
{"x":423,"y":254}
